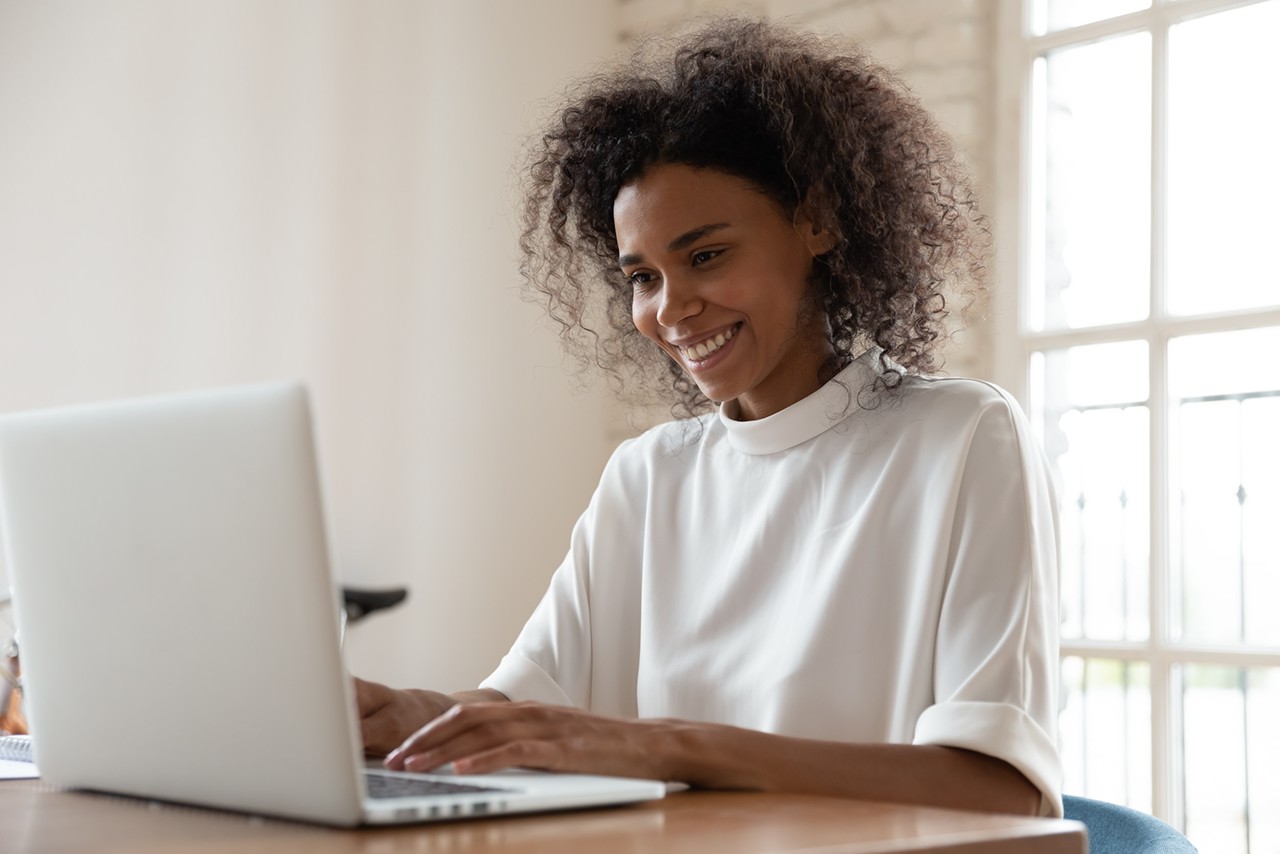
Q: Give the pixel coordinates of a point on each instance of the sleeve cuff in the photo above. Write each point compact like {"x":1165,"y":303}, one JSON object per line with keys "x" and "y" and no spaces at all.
{"x":1003,"y":731}
{"x":519,"y":679}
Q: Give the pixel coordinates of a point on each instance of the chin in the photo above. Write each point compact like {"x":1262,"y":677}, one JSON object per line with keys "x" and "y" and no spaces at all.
{"x":716,"y":398}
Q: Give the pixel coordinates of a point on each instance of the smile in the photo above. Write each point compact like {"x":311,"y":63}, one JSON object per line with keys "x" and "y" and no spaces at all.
{"x":704,"y":349}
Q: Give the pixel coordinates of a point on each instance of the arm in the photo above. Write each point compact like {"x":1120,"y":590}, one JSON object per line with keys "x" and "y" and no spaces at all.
{"x":723,"y":757}
{"x":484,"y":737}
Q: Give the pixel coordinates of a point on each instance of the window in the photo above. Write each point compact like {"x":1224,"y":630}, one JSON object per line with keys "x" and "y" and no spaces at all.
{"x":1145,"y":342}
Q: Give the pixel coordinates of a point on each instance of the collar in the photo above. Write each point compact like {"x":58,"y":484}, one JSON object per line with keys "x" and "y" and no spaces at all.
{"x":806,"y":418}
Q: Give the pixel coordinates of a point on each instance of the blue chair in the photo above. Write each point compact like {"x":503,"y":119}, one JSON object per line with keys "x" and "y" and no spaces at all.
{"x":1115,"y":829}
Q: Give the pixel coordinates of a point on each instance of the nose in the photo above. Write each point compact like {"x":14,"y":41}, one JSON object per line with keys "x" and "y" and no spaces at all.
{"x":679,"y":301}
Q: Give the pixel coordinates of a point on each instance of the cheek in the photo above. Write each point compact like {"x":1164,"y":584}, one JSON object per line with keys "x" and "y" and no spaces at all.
{"x":643,"y":316}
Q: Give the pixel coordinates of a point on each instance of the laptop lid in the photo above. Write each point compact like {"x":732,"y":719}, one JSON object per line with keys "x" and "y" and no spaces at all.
{"x":179,"y":621}
{"x":151,"y":543}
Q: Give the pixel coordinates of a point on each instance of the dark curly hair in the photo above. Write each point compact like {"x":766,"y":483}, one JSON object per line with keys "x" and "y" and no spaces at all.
{"x":807,"y":121}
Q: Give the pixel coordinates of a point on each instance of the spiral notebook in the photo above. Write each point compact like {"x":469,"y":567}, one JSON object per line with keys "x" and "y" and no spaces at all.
{"x":170,"y":554}
{"x":16,"y":748}
{"x":16,"y":762}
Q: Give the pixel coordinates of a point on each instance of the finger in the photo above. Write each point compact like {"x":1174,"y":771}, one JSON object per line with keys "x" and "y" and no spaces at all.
{"x":486,"y":723}
{"x":443,"y":741}
{"x":480,"y":739}
{"x":527,"y":753}
{"x":465,"y":717}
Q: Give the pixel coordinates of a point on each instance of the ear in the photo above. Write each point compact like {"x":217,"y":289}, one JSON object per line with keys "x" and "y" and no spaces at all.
{"x":818,"y":240}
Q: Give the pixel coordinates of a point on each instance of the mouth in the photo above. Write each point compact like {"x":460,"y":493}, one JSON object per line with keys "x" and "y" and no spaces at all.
{"x":704,"y":350}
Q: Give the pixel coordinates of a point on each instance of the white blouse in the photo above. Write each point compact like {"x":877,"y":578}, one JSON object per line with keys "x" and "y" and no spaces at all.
{"x":829,"y":572}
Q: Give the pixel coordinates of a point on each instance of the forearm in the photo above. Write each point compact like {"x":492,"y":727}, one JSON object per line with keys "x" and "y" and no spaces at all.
{"x":730,"y":758}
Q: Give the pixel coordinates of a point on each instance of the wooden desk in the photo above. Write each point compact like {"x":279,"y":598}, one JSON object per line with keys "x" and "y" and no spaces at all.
{"x":35,"y":818}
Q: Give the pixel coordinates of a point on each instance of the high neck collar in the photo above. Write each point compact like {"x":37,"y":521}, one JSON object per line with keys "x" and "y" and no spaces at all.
{"x":806,"y":418}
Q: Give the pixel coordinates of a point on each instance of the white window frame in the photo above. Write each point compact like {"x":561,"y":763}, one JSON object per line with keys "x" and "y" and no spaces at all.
{"x":1014,"y":341}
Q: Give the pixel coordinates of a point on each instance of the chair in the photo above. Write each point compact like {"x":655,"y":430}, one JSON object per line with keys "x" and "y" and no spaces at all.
{"x":358,"y":603}
{"x":1114,"y":829}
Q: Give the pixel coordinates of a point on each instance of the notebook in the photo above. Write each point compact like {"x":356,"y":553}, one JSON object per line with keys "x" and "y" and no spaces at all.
{"x":179,"y":622}
{"x":15,"y":748}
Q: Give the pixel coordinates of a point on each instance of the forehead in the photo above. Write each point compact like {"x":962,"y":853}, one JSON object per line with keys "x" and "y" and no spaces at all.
{"x":667,"y":199}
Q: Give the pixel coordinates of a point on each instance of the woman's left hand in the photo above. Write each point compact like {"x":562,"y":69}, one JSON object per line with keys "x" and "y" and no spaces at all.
{"x":482,"y":737}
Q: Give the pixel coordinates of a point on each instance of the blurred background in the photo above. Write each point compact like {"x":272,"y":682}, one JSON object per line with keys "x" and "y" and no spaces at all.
{"x":197,"y":193}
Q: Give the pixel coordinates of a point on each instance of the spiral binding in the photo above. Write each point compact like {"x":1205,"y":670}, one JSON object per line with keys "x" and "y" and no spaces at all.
{"x":16,"y":748}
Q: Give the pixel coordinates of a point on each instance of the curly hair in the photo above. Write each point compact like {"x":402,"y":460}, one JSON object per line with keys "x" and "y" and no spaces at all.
{"x":807,"y":121}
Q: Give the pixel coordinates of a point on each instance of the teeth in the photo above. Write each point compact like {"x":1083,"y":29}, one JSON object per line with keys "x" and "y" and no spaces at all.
{"x":706,"y":348}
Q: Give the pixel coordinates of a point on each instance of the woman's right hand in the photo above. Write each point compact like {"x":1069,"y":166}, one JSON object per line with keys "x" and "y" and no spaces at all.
{"x":390,"y":715}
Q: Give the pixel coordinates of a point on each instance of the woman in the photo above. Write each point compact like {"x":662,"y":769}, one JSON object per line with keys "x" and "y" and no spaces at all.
{"x":840,"y":581}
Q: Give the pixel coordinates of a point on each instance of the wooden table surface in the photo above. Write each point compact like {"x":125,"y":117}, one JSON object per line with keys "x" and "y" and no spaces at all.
{"x":35,"y":818}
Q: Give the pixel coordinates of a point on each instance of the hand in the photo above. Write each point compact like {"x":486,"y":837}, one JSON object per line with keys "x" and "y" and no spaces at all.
{"x":389,"y":715}
{"x":482,"y":737}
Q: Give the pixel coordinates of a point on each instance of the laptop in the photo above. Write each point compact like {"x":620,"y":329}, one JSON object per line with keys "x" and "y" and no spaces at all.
{"x":180,"y":625}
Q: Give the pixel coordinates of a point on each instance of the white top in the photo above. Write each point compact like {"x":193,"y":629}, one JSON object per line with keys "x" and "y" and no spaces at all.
{"x":828,"y":572}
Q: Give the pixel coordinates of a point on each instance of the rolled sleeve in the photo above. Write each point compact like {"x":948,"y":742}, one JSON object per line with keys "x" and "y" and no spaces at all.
{"x":1004,"y":732}
{"x":519,"y":679}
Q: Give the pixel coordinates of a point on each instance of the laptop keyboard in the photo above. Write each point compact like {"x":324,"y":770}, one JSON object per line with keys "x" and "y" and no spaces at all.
{"x":389,"y":786}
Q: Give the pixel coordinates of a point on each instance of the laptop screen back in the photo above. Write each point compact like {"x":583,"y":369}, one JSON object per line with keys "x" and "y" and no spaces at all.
{"x":178,"y":621}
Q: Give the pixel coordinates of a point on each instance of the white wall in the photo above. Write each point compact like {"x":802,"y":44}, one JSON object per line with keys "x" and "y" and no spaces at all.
{"x":197,"y":193}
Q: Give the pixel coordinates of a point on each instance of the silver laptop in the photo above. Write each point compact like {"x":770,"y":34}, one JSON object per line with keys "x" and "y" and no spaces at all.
{"x":179,"y":622}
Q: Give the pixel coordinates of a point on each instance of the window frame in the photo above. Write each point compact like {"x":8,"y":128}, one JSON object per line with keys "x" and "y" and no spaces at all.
{"x":1014,"y":341}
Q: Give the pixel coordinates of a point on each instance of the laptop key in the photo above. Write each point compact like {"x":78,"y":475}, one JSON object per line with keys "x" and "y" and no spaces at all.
{"x":391,"y":786}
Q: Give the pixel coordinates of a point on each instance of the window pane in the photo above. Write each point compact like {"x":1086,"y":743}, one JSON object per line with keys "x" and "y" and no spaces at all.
{"x":1049,"y":15}
{"x":1260,"y":499}
{"x":1106,"y":730}
{"x":1224,"y":363}
{"x":1225,"y":479}
{"x":1231,"y":744}
{"x":1090,"y":257}
{"x":1222,"y":214}
{"x":1089,"y":406}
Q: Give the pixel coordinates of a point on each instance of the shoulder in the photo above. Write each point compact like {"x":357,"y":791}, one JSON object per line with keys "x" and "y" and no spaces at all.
{"x":952,"y":418}
{"x":959,"y":396}
{"x":937,"y":406}
{"x":668,"y":445}
{"x":987,"y":426}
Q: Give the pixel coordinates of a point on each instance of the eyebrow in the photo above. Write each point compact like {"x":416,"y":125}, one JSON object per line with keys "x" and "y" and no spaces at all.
{"x":687,"y":239}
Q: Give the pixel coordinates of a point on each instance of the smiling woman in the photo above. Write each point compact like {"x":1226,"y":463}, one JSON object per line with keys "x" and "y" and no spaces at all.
{"x":829,"y":139}
{"x":843,"y":579}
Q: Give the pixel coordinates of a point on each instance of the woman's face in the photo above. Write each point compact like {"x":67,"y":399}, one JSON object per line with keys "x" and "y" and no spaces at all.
{"x":719,"y":278}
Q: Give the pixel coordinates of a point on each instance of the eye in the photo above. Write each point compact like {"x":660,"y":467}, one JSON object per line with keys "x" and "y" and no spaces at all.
{"x":702,"y":256}
{"x":641,"y":279}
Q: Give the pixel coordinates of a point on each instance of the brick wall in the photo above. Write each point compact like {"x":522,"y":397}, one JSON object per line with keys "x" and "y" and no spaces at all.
{"x":943,"y":49}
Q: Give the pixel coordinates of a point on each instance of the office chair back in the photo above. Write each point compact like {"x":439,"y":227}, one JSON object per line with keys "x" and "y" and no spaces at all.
{"x":1114,"y":829}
